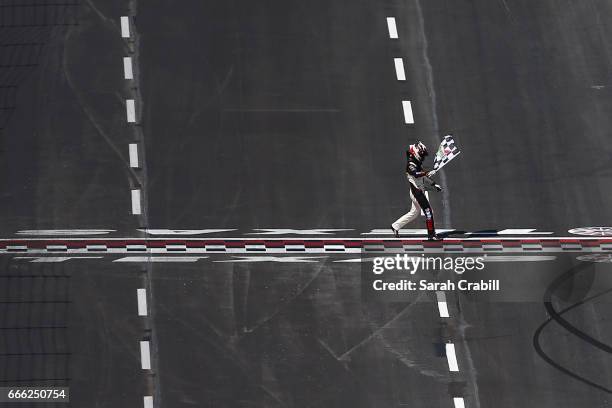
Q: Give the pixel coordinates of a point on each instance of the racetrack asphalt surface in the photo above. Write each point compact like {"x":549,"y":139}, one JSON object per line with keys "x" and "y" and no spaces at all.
{"x":289,"y":114}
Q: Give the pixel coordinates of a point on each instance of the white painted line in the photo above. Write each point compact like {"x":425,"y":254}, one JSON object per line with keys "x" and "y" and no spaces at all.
{"x":94,"y":247}
{"x":127,"y":68}
{"x":399,"y":69}
{"x":56,"y":258}
{"x":131,"y":110}
{"x":407,"y":106}
{"x":148,"y":401}
{"x":57,"y":248}
{"x":176,"y":247}
{"x":392,"y":27}
{"x":182,"y":232}
{"x":125,"y":27}
{"x":64,"y":232}
{"x":17,"y":248}
{"x":145,"y":355}
{"x":160,"y":259}
{"x":521,"y":231}
{"x":136,"y":210}
{"x":451,"y":357}
{"x":142,"y":302}
{"x":62,"y":258}
{"x":442,"y":305}
{"x":290,"y":231}
{"x":459,"y":403}
{"x":443,"y":309}
{"x":355,"y":260}
{"x":136,"y":247}
{"x":296,"y":247}
{"x":134,"y":155}
{"x":264,"y":258}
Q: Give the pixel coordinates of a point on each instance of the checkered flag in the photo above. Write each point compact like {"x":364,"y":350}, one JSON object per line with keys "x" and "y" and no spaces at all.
{"x":447,"y":151}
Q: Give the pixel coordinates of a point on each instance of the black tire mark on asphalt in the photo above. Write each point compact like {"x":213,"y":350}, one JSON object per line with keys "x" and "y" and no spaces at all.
{"x":556,"y":316}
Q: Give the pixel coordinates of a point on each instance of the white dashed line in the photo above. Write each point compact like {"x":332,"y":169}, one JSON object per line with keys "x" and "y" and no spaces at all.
{"x":141,"y":294}
{"x":451,"y":357}
{"x":125,"y":27}
{"x":442,"y":305}
{"x":400,"y":73}
{"x":127,"y":68}
{"x":57,"y":248}
{"x":130,"y":107}
{"x":145,"y":355}
{"x":136,"y":210}
{"x":459,"y":403}
{"x":407,"y":106}
{"x":392,"y":27}
{"x":142,"y":302}
{"x":134,"y":156}
{"x":399,"y":69}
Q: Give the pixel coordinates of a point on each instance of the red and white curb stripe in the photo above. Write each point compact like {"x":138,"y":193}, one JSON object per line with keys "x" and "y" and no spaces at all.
{"x":301,"y":245}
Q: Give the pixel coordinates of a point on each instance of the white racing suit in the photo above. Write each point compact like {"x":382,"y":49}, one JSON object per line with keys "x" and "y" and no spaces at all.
{"x":419,"y":183}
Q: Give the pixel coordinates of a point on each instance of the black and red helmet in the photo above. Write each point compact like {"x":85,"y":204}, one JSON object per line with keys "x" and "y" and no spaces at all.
{"x":418,"y":151}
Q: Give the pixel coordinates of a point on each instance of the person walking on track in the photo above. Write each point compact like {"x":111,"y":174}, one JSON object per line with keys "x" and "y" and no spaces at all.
{"x":419,"y":181}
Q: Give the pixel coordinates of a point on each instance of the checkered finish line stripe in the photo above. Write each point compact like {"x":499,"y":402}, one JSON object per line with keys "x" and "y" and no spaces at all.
{"x":239,"y":245}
